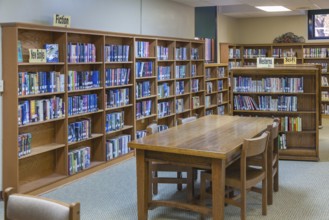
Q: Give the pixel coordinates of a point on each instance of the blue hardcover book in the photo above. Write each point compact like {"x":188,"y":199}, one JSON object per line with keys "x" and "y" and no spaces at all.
{"x":52,"y":53}
{"x":19,"y":51}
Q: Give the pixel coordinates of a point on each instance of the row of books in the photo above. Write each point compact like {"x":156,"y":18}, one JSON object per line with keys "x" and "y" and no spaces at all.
{"x":281,"y":53}
{"x":325,"y":109}
{"x":81,"y":53}
{"x":162,"y":53}
{"x":79,"y":130}
{"x":114,"y":121}
{"x":180,"y":88}
{"x":220,"y":85}
{"x":269,"y":84}
{"x":78,"y":160}
{"x":282,"y":141}
{"x":221,"y":110}
{"x":117,"y":97}
{"x":266,"y":103}
{"x":117,"y":146}
{"x":234,"y":53}
{"x":180,"y":71}
{"x":142,"y":48}
{"x":117,"y":76}
{"x":315,"y":52}
{"x":144,"y":69}
{"x":24,"y":144}
{"x":116,"y":53}
{"x":325,"y":95}
{"x":163,"y":90}
{"x":181,"y":53}
{"x":208,"y":102}
{"x":180,"y":105}
{"x":324,"y":81}
{"x":164,"y":72}
{"x":143,"y":89}
{"x":254,"y":53}
{"x":143,"y":108}
{"x":37,"y":110}
{"x":82,"y":104}
{"x":30,"y":83}
{"x":193,"y":70}
{"x":195,"y":85}
{"x":291,"y":124}
{"x":195,"y":102}
{"x":78,"y":80}
{"x":163,"y":109}
{"x":209,"y":86}
{"x":195,"y":54}
{"x":232,"y":64}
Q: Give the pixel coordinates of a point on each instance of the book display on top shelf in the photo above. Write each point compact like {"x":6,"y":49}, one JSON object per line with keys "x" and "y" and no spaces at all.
{"x":289,"y":93}
{"x":75,"y":113}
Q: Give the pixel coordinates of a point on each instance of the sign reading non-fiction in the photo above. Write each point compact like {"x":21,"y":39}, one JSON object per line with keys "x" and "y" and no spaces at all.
{"x":61,"y":20}
{"x":37,"y":55}
{"x":290,"y":60}
{"x":265,"y":62}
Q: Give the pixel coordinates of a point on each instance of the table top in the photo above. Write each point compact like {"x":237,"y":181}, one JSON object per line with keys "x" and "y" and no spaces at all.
{"x":212,"y":136}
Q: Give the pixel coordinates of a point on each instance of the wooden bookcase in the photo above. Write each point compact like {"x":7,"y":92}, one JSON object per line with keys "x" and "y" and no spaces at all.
{"x":110,"y":72}
{"x":306,"y":53}
{"x":302,"y":143}
{"x":217,"y":98}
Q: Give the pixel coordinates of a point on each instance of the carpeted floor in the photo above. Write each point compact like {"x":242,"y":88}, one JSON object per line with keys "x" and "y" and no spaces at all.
{"x":111,"y":193}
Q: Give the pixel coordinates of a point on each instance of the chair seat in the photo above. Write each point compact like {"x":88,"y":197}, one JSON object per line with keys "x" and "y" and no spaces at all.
{"x":253,"y":176}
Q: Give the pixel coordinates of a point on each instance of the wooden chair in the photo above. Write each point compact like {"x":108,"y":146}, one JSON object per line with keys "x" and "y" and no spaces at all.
{"x":159,"y":166}
{"x":22,"y":207}
{"x":242,"y":177}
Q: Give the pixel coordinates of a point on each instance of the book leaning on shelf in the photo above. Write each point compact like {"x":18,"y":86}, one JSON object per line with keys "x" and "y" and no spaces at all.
{"x":52,"y":53}
{"x":24,"y":144}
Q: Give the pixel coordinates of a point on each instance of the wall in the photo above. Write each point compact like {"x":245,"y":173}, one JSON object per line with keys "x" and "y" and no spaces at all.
{"x":147,"y":17}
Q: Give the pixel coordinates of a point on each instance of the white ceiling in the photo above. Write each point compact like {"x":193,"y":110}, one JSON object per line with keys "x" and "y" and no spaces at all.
{"x":245,"y":8}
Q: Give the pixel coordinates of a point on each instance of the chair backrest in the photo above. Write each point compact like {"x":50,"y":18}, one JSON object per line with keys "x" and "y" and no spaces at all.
{"x":22,"y":207}
{"x":152,"y":128}
{"x":256,"y":146}
{"x":186,"y":120}
{"x":273,"y":129}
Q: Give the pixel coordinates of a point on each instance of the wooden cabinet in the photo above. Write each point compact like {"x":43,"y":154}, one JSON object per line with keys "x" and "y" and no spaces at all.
{"x":289,"y":93}
{"x":217,"y":89}
{"x":71,"y":117}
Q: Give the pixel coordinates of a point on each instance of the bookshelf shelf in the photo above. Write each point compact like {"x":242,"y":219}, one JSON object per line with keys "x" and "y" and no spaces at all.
{"x":43,"y":149}
{"x":295,"y":145}
{"x":106,"y":79}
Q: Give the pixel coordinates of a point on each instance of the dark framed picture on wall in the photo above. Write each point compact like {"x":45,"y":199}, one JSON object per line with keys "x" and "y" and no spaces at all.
{"x":318,"y":24}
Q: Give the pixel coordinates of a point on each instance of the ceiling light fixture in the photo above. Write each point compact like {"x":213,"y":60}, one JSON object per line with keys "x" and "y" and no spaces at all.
{"x":273,"y":8}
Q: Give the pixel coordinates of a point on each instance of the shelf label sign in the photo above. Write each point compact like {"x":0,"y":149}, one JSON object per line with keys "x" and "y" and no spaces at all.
{"x":61,"y":20}
{"x":37,"y":55}
{"x":265,"y":62}
{"x":290,"y":60}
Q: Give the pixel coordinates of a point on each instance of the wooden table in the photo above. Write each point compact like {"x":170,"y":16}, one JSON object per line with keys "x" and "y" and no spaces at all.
{"x":208,"y":143}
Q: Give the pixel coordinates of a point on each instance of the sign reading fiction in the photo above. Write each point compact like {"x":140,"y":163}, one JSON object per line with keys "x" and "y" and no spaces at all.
{"x":265,"y":62}
{"x":37,"y":55}
{"x":290,"y":60}
{"x":61,"y":20}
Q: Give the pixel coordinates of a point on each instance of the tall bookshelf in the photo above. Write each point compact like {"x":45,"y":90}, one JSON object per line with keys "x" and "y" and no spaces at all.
{"x":264,"y":92}
{"x":305,"y":53}
{"x":217,"y":96}
{"x":99,"y":84}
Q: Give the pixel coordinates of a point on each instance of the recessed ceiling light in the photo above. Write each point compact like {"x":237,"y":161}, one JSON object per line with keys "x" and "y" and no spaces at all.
{"x":273,"y":8}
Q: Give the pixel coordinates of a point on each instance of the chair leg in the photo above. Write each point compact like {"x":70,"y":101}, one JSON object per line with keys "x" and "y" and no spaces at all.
{"x":243,"y":207}
{"x":179,"y":185}
{"x":155,"y":183}
{"x":276,"y":179}
{"x":264,"y":196}
{"x":270,"y":186}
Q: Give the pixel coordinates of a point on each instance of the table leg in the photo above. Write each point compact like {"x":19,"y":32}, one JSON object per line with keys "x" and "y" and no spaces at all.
{"x":218,"y":188}
{"x":142,"y":174}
